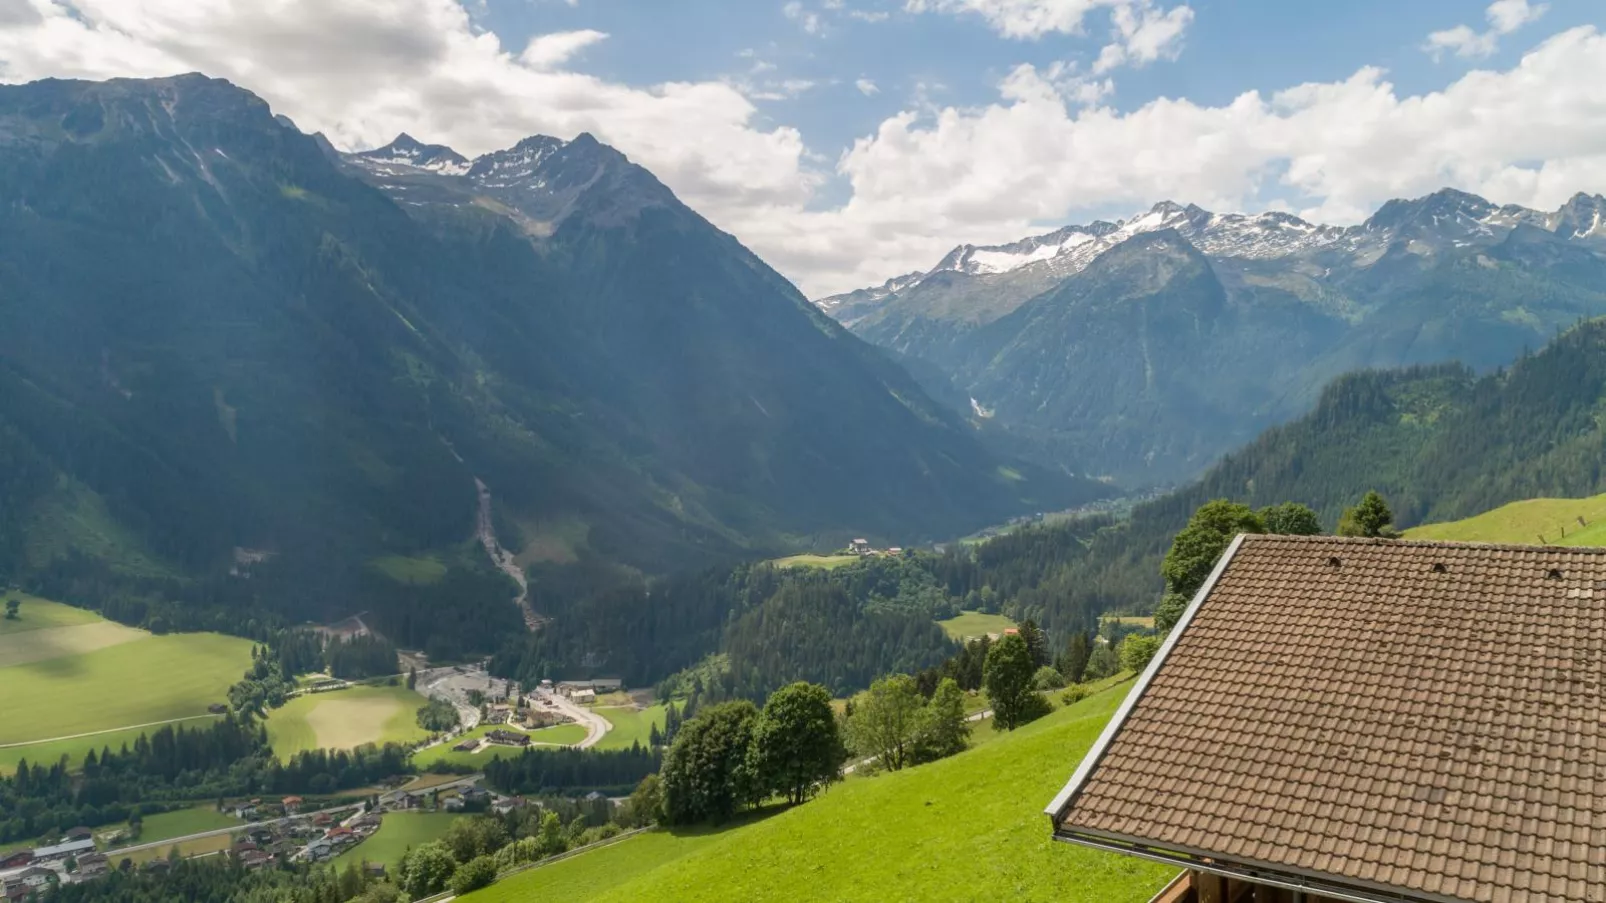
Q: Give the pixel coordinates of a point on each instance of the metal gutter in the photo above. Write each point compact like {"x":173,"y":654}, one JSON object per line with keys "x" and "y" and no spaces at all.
{"x":1288,"y":879}
{"x":1073,"y":788}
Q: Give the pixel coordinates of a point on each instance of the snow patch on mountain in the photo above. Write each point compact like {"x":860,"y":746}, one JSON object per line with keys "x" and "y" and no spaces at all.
{"x":1446,"y":218}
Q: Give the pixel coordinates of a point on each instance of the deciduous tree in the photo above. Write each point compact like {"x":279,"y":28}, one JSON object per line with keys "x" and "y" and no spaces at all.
{"x":797,"y":747}
{"x":885,"y":721}
{"x":1008,"y":677}
{"x":705,"y":773}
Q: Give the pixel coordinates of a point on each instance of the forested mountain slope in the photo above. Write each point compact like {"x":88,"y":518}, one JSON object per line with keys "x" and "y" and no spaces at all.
{"x":221,"y":348}
{"x":1439,"y":442}
{"x":1093,"y":345}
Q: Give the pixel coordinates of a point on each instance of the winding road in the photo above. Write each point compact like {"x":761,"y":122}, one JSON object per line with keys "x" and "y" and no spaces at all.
{"x":596,"y":725}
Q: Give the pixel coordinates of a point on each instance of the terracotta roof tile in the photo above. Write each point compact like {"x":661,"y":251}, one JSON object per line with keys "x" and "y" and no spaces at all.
{"x":1425,"y":717}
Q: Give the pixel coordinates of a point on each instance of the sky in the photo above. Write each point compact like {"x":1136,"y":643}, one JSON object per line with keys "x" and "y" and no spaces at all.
{"x":847,"y":141}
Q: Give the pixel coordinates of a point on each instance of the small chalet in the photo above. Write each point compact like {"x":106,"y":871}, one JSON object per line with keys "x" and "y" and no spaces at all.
{"x":1368,"y":721}
{"x":468,"y":745}
{"x":255,"y":859}
{"x":292,"y":804}
{"x":583,"y":696}
{"x":860,"y":547}
{"x":508,"y":738}
{"x":93,"y":865}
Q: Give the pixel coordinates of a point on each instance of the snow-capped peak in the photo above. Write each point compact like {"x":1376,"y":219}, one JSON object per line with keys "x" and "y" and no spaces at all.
{"x":408,"y":153}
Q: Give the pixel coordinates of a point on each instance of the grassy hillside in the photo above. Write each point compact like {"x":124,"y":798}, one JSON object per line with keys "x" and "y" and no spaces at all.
{"x":630,"y":725}
{"x":74,"y":673}
{"x":966,"y":828}
{"x":346,"y":719}
{"x":1560,"y":522}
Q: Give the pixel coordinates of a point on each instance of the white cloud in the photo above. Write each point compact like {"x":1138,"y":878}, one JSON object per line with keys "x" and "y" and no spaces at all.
{"x":1140,"y":31}
{"x":1505,"y":17}
{"x":546,"y":51}
{"x":867,"y":87}
{"x":1046,"y":150}
{"x":809,"y":20}
{"x":1143,"y":34}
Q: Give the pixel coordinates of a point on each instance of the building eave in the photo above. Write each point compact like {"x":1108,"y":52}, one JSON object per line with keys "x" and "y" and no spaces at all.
{"x":1288,"y":878}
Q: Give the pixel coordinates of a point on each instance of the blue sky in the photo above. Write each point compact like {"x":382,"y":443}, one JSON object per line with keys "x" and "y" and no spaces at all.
{"x":988,"y":120}
{"x":1231,"y":46}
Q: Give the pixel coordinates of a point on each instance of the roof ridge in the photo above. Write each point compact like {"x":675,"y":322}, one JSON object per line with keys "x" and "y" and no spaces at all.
{"x":1423,"y":543}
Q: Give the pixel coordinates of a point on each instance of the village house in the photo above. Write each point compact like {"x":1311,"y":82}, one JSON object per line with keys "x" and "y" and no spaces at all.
{"x":15,"y":860}
{"x":583,"y":697}
{"x":468,"y":745}
{"x":12,"y":890}
{"x":255,"y":859}
{"x":1368,"y":721}
{"x":93,"y":865}
{"x":37,"y":876}
{"x":292,"y":804}
{"x":508,"y":738}
{"x":860,"y":547}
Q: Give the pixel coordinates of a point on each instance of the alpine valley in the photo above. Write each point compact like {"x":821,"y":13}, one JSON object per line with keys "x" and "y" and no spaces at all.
{"x":225,"y":346}
{"x":1143,"y":350}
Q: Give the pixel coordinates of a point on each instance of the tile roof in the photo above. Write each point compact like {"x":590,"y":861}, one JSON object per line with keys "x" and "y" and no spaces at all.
{"x":1421,"y":718}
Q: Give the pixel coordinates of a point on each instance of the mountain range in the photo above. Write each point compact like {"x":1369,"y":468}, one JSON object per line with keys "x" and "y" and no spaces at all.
{"x":223,"y":340}
{"x":1146,"y":348}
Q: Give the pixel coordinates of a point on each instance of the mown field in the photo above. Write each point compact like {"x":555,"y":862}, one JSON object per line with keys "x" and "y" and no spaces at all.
{"x":828,"y":562}
{"x":974,"y":624}
{"x":180,"y":823}
{"x":1531,"y":522}
{"x":558,"y":735}
{"x":630,"y":725}
{"x":67,"y":671}
{"x":397,"y":832}
{"x":966,"y":828}
{"x":343,"y":719}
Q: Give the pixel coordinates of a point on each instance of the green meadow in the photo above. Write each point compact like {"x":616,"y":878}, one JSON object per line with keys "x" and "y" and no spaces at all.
{"x":974,"y":624}
{"x":67,"y":671}
{"x":345,"y":719}
{"x":965,"y":828}
{"x":630,"y":725}
{"x":1558,"y":522}
{"x":398,"y":832}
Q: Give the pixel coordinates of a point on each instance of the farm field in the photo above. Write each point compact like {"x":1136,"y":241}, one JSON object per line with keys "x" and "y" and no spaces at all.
{"x":139,"y":681}
{"x":182,"y":822}
{"x":557,"y":735}
{"x":828,"y":562}
{"x":630,"y":725}
{"x":975,"y":623}
{"x":941,"y":831}
{"x":397,"y":832}
{"x":1550,"y":521}
{"x":38,"y":614}
{"x":74,"y":749}
{"x":344,"y":719}
{"x":214,"y":844}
